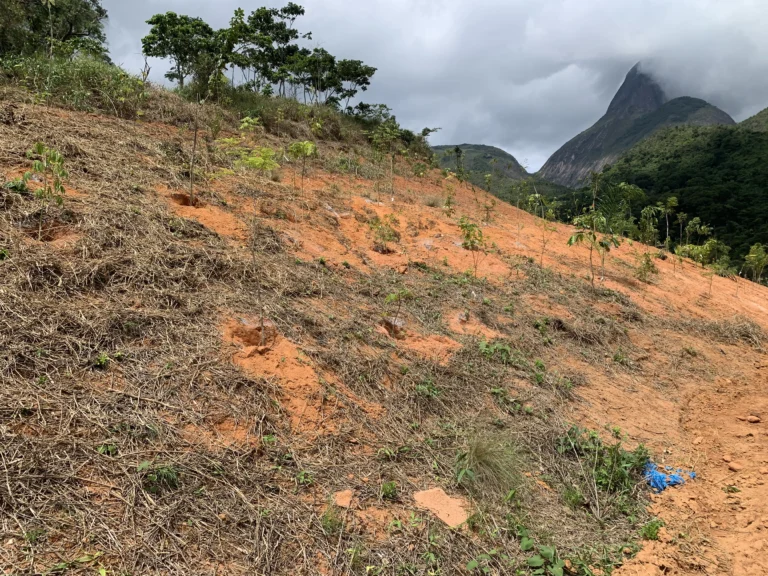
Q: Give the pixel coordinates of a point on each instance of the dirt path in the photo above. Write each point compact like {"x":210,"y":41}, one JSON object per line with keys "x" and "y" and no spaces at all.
{"x":717,"y":524}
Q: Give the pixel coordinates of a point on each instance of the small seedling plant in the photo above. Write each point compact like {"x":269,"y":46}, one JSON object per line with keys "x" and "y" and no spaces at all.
{"x":384,"y":138}
{"x":449,"y":206}
{"x":384,"y":232}
{"x":589,"y":225}
{"x":48,"y":165}
{"x":262,"y":160}
{"x":472,"y":240}
{"x":398,"y":298}
{"x":301,"y":151}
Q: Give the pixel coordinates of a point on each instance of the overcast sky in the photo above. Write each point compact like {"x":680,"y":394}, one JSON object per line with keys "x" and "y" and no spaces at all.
{"x":523,"y":75}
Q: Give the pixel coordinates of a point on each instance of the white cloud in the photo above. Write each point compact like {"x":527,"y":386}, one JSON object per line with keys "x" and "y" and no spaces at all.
{"x":525,"y":75}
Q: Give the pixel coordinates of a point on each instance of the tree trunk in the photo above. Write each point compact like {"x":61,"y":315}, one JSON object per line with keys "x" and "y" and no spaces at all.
{"x":192,"y":167}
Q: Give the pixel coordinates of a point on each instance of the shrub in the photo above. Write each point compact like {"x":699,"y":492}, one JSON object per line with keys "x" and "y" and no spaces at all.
{"x":389,"y":491}
{"x":613,"y":469}
{"x":651,"y":530}
{"x":83,"y":83}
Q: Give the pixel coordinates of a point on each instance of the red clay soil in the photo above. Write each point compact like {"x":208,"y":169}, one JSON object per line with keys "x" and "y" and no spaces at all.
{"x":452,"y":511}
{"x":305,"y":393}
{"x":693,"y":418}
{"x":690,"y":422}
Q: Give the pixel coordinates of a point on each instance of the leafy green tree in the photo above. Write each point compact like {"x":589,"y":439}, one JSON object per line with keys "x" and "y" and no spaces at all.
{"x":181,"y":38}
{"x":596,"y":183}
{"x":697,"y":228}
{"x":30,"y":26}
{"x":633,"y":195}
{"x":461,"y":174}
{"x":261,"y":159}
{"x":586,"y":234}
{"x":262,"y":47}
{"x":756,"y":261}
{"x":354,"y":76}
{"x":648,"y":233}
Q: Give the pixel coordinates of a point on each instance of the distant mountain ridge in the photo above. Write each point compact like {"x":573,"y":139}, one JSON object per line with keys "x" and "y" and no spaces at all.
{"x":479,"y":160}
{"x":638,"y":109}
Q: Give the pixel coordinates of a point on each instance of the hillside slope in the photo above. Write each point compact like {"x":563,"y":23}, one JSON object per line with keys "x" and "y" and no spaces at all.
{"x":281,"y":379}
{"x":718,"y":174}
{"x":639,"y":108}
{"x":756,"y":123}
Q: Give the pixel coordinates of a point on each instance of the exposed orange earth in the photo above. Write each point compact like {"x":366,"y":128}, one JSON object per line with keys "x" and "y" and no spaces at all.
{"x":696,"y":402}
{"x":693,"y":421}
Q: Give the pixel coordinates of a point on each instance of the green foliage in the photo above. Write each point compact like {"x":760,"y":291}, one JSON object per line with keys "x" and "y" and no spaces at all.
{"x":48,"y":166}
{"x":398,"y":298}
{"x":305,"y":478}
{"x":384,"y":232}
{"x":250,"y":124}
{"x":472,"y":240}
{"x":180,"y":38}
{"x":486,"y":563}
{"x":428,"y":389}
{"x":82,"y":83}
{"x":389,"y":491}
{"x":158,"y":479}
{"x":613,"y":469}
{"x":546,"y":562}
{"x":645,"y":267}
{"x":717,"y":173}
{"x":259,"y":159}
{"x":420,"y":169}
{"x":302,"y":151}
{"x":651,"y":530}
{"x":573,"y":497}
{"x":472,"y":235}
{"x":756,"y":261}
{"x":53,"y":27}
{"x":102,"y":361}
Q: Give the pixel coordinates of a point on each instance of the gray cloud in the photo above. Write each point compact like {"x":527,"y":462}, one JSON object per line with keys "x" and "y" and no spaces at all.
{"x":524,"y":75}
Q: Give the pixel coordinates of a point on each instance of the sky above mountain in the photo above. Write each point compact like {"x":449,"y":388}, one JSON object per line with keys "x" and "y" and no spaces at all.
{"x":523,"y":75}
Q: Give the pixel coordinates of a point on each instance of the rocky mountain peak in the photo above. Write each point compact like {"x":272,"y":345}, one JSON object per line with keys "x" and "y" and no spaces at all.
{"x":639,"y":94}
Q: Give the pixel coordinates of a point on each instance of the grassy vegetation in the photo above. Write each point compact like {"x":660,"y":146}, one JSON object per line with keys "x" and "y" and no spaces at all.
{"x":92,"y":85}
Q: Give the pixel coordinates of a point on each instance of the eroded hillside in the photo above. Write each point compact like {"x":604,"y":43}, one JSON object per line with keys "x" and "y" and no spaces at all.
{"x":281,"y":378}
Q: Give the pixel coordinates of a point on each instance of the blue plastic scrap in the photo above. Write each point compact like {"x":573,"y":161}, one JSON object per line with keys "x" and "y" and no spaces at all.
{"x":660,"y":478}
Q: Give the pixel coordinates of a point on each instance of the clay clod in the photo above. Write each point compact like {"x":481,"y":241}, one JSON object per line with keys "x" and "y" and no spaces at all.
{"x":452,"y":511}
